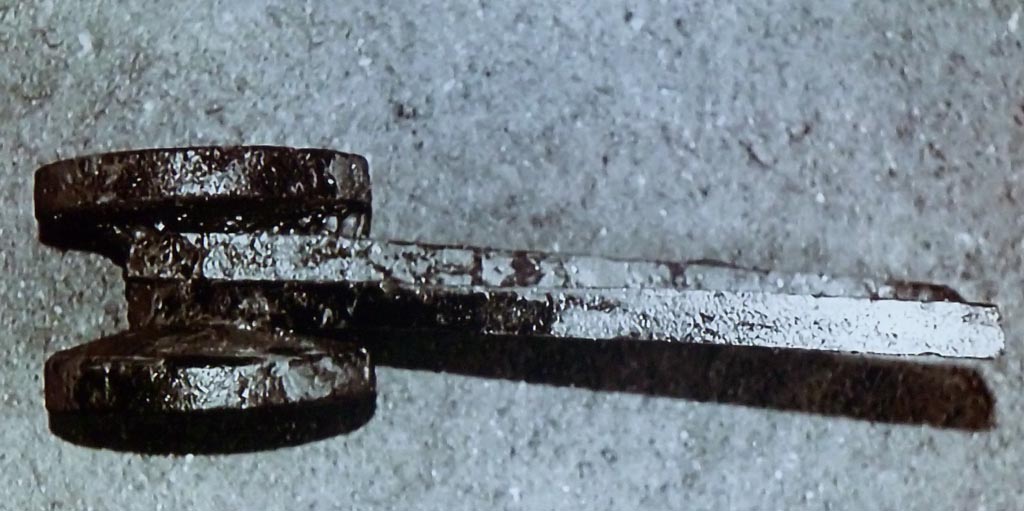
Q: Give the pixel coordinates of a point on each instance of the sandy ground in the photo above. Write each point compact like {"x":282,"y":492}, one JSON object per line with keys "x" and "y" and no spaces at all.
{"x":863,"y":138}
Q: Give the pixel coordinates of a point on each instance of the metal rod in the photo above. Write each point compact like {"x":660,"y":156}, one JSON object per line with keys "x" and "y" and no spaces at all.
{"x":332,"y":282}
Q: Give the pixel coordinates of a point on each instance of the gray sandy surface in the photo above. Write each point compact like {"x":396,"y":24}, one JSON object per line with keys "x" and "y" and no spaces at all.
{"x":863,"y":138}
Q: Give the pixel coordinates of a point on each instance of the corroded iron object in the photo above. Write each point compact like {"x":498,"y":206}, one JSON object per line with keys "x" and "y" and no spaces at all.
{"x":324,"y":282}
{"x":253,"y":297}
{"x":207,"y":389}
{"x":96,"y":202}
{"x":205,"y":368}
{"x":325,"y":257}
{"x":770,"y":320}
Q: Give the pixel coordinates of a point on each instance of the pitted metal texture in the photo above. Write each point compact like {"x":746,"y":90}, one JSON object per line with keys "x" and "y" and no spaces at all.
{"x":98,"y":202}
{"x":204,"y":368}
{"x":253,"y":293}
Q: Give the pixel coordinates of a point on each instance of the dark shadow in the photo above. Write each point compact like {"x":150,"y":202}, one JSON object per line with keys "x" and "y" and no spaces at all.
{"x":862,"y":388}
{"x":857,"y":387}
{"x":212,"y":432}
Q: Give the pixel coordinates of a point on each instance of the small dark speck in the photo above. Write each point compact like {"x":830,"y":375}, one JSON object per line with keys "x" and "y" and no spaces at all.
{"x":628,"y":16}
{"x":214,"y":109}
{"x":919,"y":203}
{"x":752,"y":155}
{"x":404,"y":112}
{"x":799,"y":134}
{"x":936,"y":152}
{"x":1008,"y":194}
{"x":957,"y":59}
{"x":585,"y":469}
{"x":904,"y":130}
{"x":609,"y":455}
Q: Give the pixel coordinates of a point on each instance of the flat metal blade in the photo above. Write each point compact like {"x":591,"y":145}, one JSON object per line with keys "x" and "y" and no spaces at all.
{"x":333,"y":283}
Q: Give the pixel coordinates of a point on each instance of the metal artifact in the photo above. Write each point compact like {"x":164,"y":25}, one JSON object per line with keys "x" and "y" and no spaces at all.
{"x":254,"y":290}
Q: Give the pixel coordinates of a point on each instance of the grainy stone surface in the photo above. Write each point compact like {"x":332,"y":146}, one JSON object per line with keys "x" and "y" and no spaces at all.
{"x":873,"y":138}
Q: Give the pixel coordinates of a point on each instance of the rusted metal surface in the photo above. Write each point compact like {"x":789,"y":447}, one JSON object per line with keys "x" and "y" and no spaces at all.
{"x":326,"y":282}
{"x":253,"y":293}
{"x":326,"y":257}
{"x":665,"y":315}
{"x":207,"y":389}
{"x":97,"y":202}
{"x":204,"y":368}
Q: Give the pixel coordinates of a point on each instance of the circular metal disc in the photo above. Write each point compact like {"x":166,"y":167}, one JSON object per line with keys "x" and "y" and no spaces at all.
{"x":203,"y":369}
{"x":89,"y":202}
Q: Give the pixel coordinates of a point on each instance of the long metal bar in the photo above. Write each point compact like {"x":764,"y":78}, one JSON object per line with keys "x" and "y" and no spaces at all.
{"x":327,"y":282}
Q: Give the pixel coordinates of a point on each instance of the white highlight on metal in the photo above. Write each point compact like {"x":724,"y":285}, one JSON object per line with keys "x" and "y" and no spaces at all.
{"x":770,"y":320}
{"x":711,"y":305}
